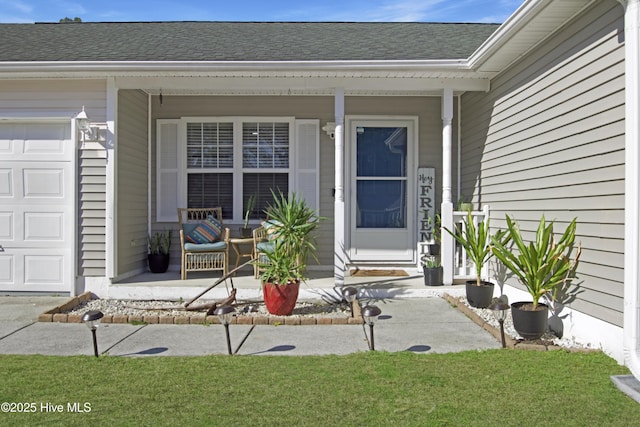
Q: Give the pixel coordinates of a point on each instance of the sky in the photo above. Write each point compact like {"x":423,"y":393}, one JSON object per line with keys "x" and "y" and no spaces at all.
{"x":481,"y":11}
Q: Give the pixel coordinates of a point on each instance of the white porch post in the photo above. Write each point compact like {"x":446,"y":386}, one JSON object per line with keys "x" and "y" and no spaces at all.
{"x":631,"y":330}
{"x":339,"y":219}
{"x":446,"y":209}
{"x":111,"y":177}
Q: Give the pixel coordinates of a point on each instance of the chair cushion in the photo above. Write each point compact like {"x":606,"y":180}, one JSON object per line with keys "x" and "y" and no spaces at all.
{"x":208,"y":231}
{"x":205,"y":247}
{"x":265,"y":246}
{"x":270,"y":226}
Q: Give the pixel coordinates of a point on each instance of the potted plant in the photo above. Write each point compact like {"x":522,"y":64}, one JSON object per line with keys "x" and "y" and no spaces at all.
{"x":435,"y":224}
{"x":292,"y":228}
{"x":159,"y":247}
{"x":245,"y":230}
{"x":542,"y":266}
{"x":432,"y":270}
{"x":475,"y":241}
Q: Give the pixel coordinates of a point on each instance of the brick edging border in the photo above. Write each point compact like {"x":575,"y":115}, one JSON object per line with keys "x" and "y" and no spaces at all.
{"x":58,"y":314}
{"x":510,"y":342}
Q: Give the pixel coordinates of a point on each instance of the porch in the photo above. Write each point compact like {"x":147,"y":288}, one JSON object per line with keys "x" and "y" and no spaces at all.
{"x":320,"y":285}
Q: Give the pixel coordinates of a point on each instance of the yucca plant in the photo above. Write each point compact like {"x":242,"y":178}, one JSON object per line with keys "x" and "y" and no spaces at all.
{"x":475,"y":241}
{"x":292,"y":223}
{"x":543,"y":264}
{"x":159,"y":243}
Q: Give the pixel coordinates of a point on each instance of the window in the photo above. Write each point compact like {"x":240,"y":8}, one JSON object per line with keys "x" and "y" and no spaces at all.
{"x":203,"y":162}
{"x":260,"y":155}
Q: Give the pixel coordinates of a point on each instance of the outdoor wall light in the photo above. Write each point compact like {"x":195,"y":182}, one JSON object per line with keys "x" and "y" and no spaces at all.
{"x":370,"y":314}
{"x":350,"y":294}
{"x":330,"y":129}
{"x":92,"y":319}
{"x":500,"y":310}
{"x":225,"y":314}
{"x":84,"y":124}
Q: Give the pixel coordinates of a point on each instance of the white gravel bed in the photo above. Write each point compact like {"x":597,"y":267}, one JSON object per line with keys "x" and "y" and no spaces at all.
{"x":173,"y":308}
{"x":488,"y":317}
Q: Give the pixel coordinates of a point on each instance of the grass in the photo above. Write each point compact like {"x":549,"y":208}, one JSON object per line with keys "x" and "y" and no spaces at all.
{"x":496,"y":387}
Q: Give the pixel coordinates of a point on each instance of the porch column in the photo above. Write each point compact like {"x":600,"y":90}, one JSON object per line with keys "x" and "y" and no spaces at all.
{"x":111,"y":180}
{"x":446,"y":209}
{"x":339,"y":219}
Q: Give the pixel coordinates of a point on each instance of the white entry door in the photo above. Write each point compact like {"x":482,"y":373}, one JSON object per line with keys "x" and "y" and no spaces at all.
{"x":37,"y":225}
{"x":381,"y":188}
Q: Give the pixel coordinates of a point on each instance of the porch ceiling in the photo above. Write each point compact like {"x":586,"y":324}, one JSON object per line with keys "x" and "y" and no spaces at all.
{"x":391,"y":83}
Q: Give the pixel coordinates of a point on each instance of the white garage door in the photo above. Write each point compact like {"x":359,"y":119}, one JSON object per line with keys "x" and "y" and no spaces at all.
{"x":37,"y":225}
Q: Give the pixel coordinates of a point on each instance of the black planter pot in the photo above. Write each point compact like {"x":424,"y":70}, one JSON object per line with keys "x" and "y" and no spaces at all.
{"x":246,"y":232}
{"x":529,"y":324}
{"x":479,"y":296}
{"x":432,"y":276}
{"x":158,"y":263}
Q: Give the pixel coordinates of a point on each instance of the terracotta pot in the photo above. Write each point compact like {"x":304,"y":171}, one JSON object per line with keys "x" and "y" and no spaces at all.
{"x":479,"y":296}
{"x":280,"y":299}
{"x":529,"y":324}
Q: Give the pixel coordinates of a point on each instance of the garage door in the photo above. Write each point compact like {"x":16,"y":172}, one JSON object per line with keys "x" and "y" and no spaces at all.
{"x":37,"y":225}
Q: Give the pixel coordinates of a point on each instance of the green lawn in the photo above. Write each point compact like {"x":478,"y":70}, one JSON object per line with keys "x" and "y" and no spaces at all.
{"x":497,"y":387}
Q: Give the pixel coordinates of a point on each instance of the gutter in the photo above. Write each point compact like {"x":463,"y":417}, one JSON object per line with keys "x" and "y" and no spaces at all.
{"x":208,"y":66}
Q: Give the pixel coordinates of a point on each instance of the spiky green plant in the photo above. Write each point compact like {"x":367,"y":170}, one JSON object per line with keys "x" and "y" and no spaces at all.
{"x":159,"y":242}
{"x":475,"y":241}
{"x":293,"y":222}
{"x":543,"y":264}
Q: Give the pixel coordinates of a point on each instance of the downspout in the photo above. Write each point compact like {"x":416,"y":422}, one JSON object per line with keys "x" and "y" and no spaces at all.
{"x":459,"y":156}
{"x":632,"y":187}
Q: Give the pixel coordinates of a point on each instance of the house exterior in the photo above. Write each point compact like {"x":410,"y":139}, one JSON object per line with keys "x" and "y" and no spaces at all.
{"x":536,"y":116}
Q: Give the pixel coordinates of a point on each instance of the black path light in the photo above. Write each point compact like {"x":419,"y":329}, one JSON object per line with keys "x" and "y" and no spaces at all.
{"x":225,"y":314}
{"x":500,"y":310}
{"x":370,"y":314}
{"x":92,"y":319}
{"x":350,"y":295}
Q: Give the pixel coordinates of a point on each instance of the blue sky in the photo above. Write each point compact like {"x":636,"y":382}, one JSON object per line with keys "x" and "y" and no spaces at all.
{"x":495,"y":11}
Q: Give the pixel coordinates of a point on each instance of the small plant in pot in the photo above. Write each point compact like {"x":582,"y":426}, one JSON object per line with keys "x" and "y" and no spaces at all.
{"x":476,"y":242}
{"x":293,"y":224}
{"x":432,"y":270}
{"x":159,"y":247}
{"x":245,"y":230}
{"x":542,"y":265}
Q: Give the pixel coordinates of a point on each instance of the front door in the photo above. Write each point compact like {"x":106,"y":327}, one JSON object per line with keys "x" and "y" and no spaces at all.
{"x":381,"y":184}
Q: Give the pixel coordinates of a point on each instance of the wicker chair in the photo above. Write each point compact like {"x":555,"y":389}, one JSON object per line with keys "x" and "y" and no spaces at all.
{"x":207,"y":256}
{"x":260,"y":246}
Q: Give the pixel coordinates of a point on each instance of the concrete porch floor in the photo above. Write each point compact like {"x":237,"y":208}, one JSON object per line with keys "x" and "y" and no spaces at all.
{"x":320,"y":285}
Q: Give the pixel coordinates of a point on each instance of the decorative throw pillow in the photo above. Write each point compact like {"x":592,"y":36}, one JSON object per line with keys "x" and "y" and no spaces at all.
{"x":271,"y":226}
{"x":208,"y":231}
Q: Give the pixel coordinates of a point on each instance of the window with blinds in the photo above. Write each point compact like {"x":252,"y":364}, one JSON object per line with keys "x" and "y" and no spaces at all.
{"x":209,"y":162}
{"x":211,"y":165}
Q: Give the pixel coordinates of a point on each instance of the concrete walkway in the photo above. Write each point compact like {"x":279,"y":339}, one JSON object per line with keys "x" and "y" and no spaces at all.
{"x":421,"y":325}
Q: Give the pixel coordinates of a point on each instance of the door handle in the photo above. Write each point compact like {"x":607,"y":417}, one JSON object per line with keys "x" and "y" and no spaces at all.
{"x":1,"y":248}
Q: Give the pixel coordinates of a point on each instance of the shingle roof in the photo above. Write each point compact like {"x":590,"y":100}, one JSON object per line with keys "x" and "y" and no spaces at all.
{"x":239,"y":41}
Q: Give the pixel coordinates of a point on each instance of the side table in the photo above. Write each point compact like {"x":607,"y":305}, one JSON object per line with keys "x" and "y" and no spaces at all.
{"x":237,"y":244}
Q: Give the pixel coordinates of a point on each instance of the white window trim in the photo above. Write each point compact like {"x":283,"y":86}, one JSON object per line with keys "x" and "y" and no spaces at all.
{"x":237,"y":169}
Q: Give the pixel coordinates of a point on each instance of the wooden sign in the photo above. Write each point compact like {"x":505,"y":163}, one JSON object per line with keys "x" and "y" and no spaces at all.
{"x":426,"y":208}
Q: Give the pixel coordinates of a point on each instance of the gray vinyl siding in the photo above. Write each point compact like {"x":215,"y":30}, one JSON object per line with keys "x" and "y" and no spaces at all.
{"x":308,"y":107}
{"x":91,"y":210}
{"x":549,"y":139}
{"x":132,"y":181}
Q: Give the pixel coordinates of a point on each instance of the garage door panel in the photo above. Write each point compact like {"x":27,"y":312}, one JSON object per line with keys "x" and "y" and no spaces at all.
{"x":6,"y":227}
{"x":43,"y":183}
{"x":44,"y":270}
{"x":44,"y":226}
{"x":6,"y":183}
{"x":7,"y":270}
